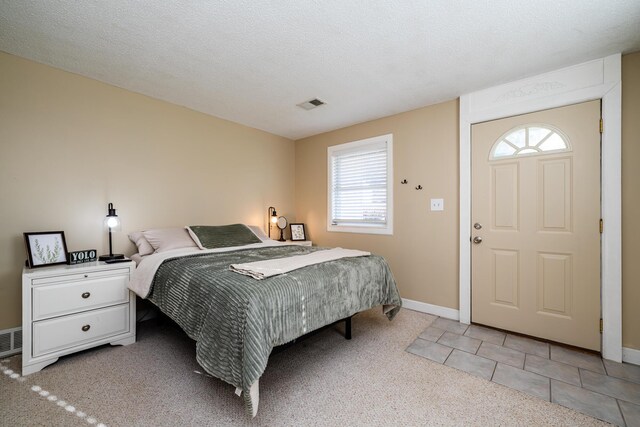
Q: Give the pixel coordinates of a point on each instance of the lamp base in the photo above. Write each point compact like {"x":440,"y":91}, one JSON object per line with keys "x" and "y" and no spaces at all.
{"x":112,"y":256}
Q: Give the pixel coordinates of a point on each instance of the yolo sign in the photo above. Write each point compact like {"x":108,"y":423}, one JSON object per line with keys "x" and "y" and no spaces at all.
{"x":78,"y":257}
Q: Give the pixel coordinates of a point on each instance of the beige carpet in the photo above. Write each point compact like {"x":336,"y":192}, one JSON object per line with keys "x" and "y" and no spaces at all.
{"x":324,"y":380}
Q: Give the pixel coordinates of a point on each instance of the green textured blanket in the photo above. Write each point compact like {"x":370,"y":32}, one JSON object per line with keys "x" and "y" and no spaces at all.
{"x":237,"y":320}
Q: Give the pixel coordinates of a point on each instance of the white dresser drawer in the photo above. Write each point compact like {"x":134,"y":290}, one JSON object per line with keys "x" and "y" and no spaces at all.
{"x":72,"y":276}
{"x":65,"y":298}
{"x":73,"y":330}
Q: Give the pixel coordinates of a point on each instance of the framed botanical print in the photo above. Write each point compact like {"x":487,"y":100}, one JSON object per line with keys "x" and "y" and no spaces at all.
{"x":46,"y":248}
{"x":297,"y":232}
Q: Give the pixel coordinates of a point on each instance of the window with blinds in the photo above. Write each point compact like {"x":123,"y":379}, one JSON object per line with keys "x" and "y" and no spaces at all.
{"x":360,"y":186}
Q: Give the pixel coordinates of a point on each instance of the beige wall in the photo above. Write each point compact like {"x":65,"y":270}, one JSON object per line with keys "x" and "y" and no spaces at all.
{"x":423,"y":251}
{"x":166,"y":165}
{"x":69,"y":145}
{"x":631,"y":200}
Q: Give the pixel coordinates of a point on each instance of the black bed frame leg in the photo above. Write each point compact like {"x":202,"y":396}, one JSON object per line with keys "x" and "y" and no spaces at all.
{"x":347,"y":328}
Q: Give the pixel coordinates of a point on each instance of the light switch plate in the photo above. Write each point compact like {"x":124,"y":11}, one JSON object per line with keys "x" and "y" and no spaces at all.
{"x":437,"y":204}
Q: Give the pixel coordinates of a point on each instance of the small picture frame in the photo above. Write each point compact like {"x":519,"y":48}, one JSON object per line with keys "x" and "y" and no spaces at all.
{"x":46,"y":248}
{"x":297,"y":232}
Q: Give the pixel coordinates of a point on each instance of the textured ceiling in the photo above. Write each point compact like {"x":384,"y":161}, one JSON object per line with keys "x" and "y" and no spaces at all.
{"x":252,"y":61}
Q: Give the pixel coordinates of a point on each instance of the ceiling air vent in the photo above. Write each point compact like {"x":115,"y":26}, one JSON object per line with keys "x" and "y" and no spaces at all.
{"x":310,"y":105}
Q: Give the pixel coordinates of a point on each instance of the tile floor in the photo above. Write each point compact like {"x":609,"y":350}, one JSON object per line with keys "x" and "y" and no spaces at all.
{"x":605,"y":390}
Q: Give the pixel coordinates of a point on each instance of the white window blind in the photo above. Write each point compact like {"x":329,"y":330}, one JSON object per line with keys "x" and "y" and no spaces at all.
{"x":359,"y":185}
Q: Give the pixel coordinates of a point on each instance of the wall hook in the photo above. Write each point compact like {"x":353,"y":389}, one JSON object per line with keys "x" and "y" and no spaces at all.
{"x":419,"y":187}
{"x":404,"y":181}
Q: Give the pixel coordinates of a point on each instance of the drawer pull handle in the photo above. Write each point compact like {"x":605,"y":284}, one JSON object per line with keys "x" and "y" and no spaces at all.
{"x":86,"y":295}
{"x":86,"y":275}
{"x":85,"y":328}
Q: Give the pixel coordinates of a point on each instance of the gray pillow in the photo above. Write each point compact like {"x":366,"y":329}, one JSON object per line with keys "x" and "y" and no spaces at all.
{"x":222,"y":236}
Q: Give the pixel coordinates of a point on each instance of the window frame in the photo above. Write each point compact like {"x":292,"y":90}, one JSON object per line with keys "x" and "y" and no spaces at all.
{"x":526,"y":127}
{"x":354,"y":146}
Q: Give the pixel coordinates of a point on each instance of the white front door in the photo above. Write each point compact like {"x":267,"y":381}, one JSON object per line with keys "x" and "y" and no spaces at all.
{"x":535,"y":224}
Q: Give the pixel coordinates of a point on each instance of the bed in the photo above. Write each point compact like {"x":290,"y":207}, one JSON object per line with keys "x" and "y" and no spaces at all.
{"x":236,"y":320}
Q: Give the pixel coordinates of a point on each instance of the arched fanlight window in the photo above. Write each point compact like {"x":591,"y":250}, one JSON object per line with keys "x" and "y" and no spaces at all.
{"x":529,"y":140}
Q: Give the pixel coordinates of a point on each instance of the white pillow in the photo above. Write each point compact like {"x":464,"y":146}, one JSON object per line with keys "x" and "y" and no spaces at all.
{"x":165,"y":239}
{"x":144,"y":248}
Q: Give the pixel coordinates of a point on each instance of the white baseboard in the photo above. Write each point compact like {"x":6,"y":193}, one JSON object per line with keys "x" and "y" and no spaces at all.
{"x":631,"y":355}
{"x":437,"y":310}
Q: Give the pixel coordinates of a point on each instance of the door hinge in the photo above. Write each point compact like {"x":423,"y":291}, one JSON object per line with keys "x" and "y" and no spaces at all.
{"x":601,"y":125}
{"x":601,"y":225}
{"x":601,"y":326}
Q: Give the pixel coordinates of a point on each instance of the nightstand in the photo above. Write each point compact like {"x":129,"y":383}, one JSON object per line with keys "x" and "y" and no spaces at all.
{"x":300,"y":242}
{"x":66,"y":309}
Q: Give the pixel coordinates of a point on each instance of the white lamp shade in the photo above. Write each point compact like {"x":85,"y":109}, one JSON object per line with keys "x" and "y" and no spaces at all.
{"x":112,"y":222}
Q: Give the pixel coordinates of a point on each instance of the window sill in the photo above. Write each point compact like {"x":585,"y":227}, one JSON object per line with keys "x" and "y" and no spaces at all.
{"x":360,"y":229}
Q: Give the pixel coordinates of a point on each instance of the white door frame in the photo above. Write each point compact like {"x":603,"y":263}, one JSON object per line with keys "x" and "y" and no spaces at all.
{"x":598,"y":79}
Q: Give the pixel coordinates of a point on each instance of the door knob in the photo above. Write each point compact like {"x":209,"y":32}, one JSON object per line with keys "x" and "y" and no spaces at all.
{"x":477,"y":240}
{"x":477,"y":226}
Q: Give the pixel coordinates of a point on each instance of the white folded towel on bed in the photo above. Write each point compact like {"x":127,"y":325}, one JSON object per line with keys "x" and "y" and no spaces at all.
{"x":272,"y":267}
